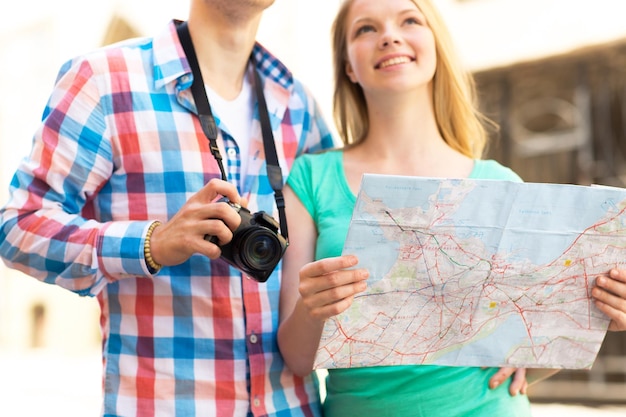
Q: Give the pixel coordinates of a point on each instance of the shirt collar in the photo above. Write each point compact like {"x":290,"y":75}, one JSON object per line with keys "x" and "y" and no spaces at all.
{"x":170,"y":63}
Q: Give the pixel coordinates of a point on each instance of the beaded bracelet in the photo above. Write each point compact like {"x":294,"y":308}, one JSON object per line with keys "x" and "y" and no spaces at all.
{"x":153,"y":267}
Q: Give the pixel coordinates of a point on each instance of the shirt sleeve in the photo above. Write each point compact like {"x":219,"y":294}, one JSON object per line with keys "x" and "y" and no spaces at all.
{"x":318,"y":135}
{"x":47,"y":228}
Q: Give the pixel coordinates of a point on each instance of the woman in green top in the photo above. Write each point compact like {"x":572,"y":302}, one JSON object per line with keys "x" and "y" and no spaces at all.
{"x":403,"y":106}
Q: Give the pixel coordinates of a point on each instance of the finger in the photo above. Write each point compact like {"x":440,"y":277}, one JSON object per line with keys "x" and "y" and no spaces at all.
{"x":618,"y":317}
{"x":331,"y":293}
{"x":215,"y":231}
{"x":500,"y":376}
{"x":230,"y":215}
{"x":331,"y":287}
{"x":219,"y":214}
{"x":328,"y":265}
{"x":613,"y":284}
{"x":209,"y":249}
{"x":609,"y":298}
{"x":217,"y":188}
{"x":524,"y":390}
{"x":518,"y":382}
{"x":618,"y":274}
{"x":326,"y":311}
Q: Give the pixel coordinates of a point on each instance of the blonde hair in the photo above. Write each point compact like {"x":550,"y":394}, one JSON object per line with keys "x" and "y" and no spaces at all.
{"x":460,"y":122}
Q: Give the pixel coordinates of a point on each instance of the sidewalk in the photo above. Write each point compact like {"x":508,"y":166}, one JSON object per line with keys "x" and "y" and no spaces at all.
{"x":562,"y":410}
{"x":53,"y":385}
{"x":46,"y":384}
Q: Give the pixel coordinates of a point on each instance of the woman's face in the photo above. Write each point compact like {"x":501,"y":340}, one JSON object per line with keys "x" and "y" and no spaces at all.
{"x":390,"y":46}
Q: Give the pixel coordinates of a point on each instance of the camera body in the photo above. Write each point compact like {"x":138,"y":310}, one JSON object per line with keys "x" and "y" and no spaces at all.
{"x":256,"y":247}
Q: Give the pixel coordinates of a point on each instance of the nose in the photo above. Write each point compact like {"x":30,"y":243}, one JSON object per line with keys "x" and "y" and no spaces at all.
{"x":389,"y":37}
{"x":387,"y":41}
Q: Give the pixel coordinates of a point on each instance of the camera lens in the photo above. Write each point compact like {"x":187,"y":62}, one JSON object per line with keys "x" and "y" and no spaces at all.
{"x":259,"y":250}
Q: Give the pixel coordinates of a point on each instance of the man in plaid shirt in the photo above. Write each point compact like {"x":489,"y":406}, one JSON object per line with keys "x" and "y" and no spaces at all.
{"x":120,"y":147}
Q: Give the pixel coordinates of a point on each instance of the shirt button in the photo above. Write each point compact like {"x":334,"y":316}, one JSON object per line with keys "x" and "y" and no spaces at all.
{"x":232,"y":152}
{"x":253,"y":338}
{"x":256,"y":402}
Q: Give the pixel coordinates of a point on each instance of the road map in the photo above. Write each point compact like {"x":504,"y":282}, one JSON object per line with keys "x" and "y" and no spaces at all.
{"x":477,"y":273}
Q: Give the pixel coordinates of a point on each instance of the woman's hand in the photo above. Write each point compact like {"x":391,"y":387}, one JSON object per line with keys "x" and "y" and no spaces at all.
{"x":519,"y":384}
{"x":328,"y":286}
{"x":522,"y":378}
{"x":609,"y":293}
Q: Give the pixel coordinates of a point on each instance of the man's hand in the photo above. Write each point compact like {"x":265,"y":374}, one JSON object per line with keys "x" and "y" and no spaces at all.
{"x":174,"y":242}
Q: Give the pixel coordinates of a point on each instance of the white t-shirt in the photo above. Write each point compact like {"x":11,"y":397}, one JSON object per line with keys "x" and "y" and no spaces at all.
{"x":235,"y":116}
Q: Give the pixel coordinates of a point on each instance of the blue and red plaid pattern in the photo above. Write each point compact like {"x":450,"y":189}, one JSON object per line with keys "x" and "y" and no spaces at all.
{"x":119,"y":147}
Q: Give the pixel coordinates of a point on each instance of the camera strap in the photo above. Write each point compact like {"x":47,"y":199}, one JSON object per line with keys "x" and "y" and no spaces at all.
{"x":209,"y":127}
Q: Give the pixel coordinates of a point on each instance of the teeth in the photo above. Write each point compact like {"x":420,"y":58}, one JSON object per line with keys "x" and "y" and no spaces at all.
{"x":394,"y":61}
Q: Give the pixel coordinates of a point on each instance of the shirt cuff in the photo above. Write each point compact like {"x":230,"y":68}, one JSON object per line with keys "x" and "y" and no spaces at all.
{"x":121,"y":249}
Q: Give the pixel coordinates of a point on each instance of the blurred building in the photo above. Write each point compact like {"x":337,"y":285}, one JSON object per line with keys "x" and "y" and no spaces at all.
{"x":549,"y":72}
{"x":562,"y":118}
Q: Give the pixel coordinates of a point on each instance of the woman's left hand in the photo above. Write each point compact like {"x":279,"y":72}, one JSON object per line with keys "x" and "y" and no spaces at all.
{"x":519,"y":385}
{"x":609,"y":293}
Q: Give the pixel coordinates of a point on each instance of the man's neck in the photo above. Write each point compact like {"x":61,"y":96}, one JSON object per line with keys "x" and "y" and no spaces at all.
{"x":223,"y":44}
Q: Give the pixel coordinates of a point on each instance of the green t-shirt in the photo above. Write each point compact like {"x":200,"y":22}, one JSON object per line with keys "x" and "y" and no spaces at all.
{"x":409,"y":390}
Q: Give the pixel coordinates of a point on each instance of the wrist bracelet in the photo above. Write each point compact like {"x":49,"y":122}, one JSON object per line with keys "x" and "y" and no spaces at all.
{"x":153,"y":267}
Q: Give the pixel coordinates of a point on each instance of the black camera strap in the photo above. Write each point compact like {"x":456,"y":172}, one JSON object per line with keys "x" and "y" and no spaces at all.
{"x":209,"y":127}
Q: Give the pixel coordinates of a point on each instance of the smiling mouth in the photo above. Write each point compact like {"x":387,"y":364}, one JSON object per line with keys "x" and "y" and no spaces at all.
{"x":394,"y":61}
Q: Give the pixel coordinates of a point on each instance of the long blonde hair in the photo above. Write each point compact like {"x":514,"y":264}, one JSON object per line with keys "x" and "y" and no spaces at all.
{"x":454,"y":97}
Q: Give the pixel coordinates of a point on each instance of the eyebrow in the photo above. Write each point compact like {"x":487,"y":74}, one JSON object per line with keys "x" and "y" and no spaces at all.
{"x":402,"y":12}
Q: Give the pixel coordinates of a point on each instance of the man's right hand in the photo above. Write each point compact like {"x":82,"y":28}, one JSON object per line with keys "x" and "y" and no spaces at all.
{"x":174,"y":242}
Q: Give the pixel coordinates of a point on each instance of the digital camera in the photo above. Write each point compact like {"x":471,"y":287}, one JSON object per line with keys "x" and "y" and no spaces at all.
{"x":256,"y":247}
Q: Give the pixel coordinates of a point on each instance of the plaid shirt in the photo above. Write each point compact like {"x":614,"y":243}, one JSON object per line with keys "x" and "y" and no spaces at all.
{"x":119,"y":147}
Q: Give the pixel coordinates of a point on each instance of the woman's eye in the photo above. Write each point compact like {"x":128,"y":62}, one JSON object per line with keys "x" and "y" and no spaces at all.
{"x":413,"y":21}
{"x":364,"y":29}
